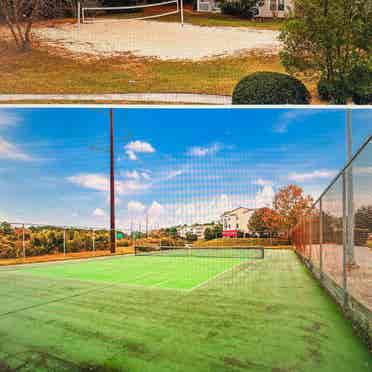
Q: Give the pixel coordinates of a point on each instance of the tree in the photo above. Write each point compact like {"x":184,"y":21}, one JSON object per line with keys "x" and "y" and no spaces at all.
{"x":265,"y":220}
{"x":6,"y":228}
{"x":209,"y":234}
{"x":256,"y":223}
{"x":213,"y":232}
{"x":329,"y":37}
{"x":363,"y":218}
{"x":19,"y":15}
{"x":290,"y":203}
{"x":272,"y":220}
{"x":190,"y":237}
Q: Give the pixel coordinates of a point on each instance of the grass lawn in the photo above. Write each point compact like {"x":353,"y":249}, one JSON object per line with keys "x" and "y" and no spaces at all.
{"x":222,"y":20}
{"x":46,"y":71}
{"x":149,"y":314}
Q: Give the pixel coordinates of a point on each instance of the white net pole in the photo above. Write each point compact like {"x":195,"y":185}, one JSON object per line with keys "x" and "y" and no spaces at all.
{"x":78,"y":14}
{"x":181,"y":1}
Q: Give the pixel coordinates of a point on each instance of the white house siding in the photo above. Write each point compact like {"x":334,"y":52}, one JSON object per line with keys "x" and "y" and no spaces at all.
{"x":275,"y":8}
{"x":235,"y":221}
{"x":267,"y":8}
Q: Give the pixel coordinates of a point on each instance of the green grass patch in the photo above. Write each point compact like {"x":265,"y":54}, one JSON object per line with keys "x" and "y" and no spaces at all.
{"x":268,"y":315}
{"x":44,"y":71}
{"x":222,"y":20}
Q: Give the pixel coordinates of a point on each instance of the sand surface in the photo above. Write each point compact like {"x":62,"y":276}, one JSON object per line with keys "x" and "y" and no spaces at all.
{"x":163,"y":40}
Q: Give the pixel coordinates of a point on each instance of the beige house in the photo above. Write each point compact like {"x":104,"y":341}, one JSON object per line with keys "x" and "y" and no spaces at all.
{"x":197,"y":229}
{"x":263,"y":9}
{"x":235,"y":221}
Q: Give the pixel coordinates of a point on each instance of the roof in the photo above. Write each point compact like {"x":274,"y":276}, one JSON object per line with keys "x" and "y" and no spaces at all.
{"x":234,"y":211}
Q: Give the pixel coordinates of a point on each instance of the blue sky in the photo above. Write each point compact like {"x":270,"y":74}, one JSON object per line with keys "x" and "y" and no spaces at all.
{"x":174,"y":166}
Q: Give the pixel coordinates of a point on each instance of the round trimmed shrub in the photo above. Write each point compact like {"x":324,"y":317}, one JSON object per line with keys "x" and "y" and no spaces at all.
{"x":270,"y":88}
{"x":335,"y":91}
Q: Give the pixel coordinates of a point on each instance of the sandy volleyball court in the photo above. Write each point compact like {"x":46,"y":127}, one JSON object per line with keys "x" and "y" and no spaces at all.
{"x":159,"y":39}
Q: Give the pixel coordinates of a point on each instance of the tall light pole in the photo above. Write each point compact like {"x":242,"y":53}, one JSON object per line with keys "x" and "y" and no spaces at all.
{"x":112,"y":185}
{"x":349,"y":192}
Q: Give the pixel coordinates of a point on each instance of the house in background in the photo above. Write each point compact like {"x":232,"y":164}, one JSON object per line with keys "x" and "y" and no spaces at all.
{"x":196,"y":229}
{"x":235,"y":221}
{"x":263,"y":9}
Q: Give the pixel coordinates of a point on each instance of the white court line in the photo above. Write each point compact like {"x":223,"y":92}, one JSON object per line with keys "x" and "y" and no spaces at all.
{"x":14,"y":267}
{"x":216,"y":276}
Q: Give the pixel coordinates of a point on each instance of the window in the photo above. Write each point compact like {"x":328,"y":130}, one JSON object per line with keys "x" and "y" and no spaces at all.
{"x":281,"y":4}
{"x":273,"y":6}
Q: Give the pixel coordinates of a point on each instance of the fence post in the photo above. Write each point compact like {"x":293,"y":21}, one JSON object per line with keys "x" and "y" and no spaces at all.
{"x":311,"y":239}
{"x":345,"y":231}
{"x":350,"y":257}
{"x":64,"y":241}
{"x":93,"y":240}
{"x":321,"y":239}
{"x":79,"y":14}
{"x":23,"y":241}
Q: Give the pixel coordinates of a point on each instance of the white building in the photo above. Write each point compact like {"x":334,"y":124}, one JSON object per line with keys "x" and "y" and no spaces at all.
{"x":196,"y":229}
{"x":235,"y":221}
{"x":263,"y":9}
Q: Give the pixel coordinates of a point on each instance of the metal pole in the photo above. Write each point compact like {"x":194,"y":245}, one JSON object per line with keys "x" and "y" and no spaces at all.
{"x":23,"y":241}
{"x":64,"y":241}
{"x":112,"y":184}
{"x":345,"y":238}
{"x":93,"y":240}
{"x":310,"y":237}
{"x":182,"y":22}
{"x":350,"y":192}
{"x":321,"y":239}
{"x":79,"y":14}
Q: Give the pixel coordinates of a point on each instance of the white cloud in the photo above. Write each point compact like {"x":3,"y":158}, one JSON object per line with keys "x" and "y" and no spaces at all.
{"x":9,"y":119}
{"x":146,"y":175}
{"x":204,"y":150}
{"x":301,"y":177}
{"x":155,"y":210}
{"x":262,"y":182}
{"x":136,"y":207}
{"x":291,"y":116}
{"x":264,"y":197}
{"x":133,"y":174}
{"x":98,"y":212}
{"x":11,"y":151}
{"x":131,"y":186}
{"x":136,"y":147}
{"x":173,"y":174}
{"x":92,"y":181}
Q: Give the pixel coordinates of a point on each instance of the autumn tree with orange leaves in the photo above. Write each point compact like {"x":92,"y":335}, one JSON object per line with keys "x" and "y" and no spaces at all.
{"x":265,"y":220}
{"x":290,"y":203}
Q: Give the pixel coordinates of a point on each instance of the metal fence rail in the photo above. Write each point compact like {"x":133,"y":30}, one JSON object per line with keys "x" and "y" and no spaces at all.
{"x":334,"y":239}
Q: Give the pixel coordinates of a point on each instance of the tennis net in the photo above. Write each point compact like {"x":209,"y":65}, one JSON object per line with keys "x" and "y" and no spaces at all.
{"x":208,"y":252}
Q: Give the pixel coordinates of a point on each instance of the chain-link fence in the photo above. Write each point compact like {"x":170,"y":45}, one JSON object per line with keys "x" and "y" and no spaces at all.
{"x":335,"y":238}
{"x":34,"y":242}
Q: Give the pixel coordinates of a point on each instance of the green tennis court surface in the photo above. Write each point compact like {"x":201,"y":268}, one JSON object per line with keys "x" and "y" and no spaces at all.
{"x":170,"y":271}
{"x":230,"y":315}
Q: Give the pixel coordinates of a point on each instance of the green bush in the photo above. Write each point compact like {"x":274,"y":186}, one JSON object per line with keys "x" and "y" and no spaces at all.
{"x":238,"y":8}
{"x":335,"y":91}
{"x":357,"y":85}
{"x":270,"y":88}
{"x":360,"y":83}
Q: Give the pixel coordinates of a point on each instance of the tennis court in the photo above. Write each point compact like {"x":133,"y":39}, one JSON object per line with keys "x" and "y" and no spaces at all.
{"x":172,"y":268}
{"x":173,"y":313}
